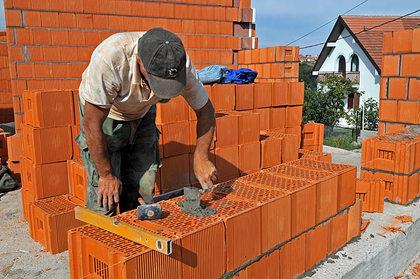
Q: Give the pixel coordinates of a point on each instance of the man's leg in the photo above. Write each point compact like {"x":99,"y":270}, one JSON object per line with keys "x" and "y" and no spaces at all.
{"x":117,"y":135}
{"x":140,"y":162}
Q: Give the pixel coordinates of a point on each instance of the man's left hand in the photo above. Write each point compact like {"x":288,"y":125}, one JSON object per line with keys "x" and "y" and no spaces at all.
{"x":205,"y":172}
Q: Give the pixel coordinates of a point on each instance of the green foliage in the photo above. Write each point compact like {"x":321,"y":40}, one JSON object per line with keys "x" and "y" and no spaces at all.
{"x":343,"y":142}
{"x":305,"y":74}
{"x":326,"y":103}
{"x":371,"y":111}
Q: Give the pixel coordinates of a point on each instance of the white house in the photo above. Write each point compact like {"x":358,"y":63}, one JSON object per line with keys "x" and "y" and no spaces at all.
{"x":354,"y":50}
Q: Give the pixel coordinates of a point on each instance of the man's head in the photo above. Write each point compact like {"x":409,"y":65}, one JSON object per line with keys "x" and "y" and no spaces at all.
{"x":164,"y":59}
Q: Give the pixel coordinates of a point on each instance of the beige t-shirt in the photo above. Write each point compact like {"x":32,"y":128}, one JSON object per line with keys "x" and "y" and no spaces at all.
{"x":113,"y":80}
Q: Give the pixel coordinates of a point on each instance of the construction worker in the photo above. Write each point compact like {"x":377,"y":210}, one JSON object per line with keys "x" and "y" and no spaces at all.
{"x":128,"y":74}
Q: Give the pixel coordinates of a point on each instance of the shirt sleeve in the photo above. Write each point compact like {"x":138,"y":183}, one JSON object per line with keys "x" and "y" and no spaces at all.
{"x":100,"y":85}
{"x":194,"y":92}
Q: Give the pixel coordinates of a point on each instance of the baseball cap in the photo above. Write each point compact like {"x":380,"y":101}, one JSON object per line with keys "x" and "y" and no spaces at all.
{"x":164,"y":58}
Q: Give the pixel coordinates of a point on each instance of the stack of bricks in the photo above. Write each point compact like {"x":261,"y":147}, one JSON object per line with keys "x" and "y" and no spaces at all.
{"x":273,"y":109}
{"x":272,"y":64}
{"x":276,"y":223}
{"x":46,"y":146}
{"x":390,"y":160}
{"x":313,"y":137}
{"x":371,"y":193}
{"x":400,"y":83}
{"x":51,"y":42}
{"x":6,"y":103}
{"x":393,"y":158}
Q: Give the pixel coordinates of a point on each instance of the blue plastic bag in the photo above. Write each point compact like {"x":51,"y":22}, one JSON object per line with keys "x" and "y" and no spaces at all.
{"x":240,"y":76}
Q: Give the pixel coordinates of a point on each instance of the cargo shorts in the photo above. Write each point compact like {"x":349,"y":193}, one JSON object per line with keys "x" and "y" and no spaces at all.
{"x":133,"y":148}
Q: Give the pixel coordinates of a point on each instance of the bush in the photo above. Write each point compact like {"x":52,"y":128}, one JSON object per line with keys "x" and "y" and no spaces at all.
{"x":326,"y":103}
{"x":371,"y":114}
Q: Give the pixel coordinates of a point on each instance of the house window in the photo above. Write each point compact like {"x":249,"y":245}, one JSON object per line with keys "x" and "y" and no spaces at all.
{"x":353,"y":101}
{"x":342,"y":65}
{"x":354,"y":63}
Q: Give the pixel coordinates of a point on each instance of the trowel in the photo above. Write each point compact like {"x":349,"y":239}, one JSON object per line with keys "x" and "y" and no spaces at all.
{"x":191,"y":204}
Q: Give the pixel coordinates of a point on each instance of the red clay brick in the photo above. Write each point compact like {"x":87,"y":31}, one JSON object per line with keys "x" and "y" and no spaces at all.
{"x":245,"y":97}
{"x":354,"y":220}
{"x":46,"y":180}
{"x":317,"y":242}
{"x":398,"y":88}
{"x":292,"y":258}
{"x":271,"y":152}
{"x":237,"y":252}
{"x":248,"y":127}
{"x":402,"y":41}
{"x":303,"y":209}
{"x":277,"y":118}
{"x":371,"y":193}
{"x":50,"y":219}
{"x":249,"y":157}
{"x":48,"y":108}
{"x":276,"y":222}
{"x":387,"y":49}
{"x":410,"y":65}
{"x":173,"y":111}
{"x":227,"y":133}
{"x":223,"y":97}
{"x":407,"y":112}
{"x":293,"y":116}
{"x":390,"y":65}
{"x":77,"y":180}
{"x":262,"y":95}
{"x":338,"y":231}
{"x":227,"y":163}
{"x":14,"y":147}
{"x":175,"y":173}
{"x":176,"y":138}
{"x":13,"y":18}
{"x":47,"y":145}
{"x":295,"y":93}
{"x":326,"y":198}
{"x":388,"y":110}
{"x":264,"y":118}
{"x":414,"y":94}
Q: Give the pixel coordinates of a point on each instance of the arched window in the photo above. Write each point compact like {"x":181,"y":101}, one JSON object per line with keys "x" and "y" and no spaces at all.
{"x":342,"y":65}
{"x":354,"y":63}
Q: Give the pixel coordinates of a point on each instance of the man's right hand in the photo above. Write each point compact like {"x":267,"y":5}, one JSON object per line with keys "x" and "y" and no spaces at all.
{"x":108,"y":191}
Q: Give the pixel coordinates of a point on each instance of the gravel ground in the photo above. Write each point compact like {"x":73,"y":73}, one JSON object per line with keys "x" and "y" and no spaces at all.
{"x":20,"y":256}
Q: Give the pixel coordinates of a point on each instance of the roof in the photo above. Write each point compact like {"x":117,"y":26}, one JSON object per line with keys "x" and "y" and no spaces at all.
{"x":371,"y":41}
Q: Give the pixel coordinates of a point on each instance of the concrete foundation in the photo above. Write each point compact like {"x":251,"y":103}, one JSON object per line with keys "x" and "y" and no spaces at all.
{"x":378,"y":253}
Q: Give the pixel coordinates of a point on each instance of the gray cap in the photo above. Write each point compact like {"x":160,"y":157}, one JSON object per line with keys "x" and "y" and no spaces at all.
{"x":164,"y":58}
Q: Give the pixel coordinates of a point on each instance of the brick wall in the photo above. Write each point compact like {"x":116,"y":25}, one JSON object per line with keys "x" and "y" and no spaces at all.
{"x":400,"y":84}
{"x":51,"y":42}
{"x":6,"y":103}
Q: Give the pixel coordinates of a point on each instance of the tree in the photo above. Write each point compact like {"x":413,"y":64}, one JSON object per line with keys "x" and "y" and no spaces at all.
{"x":305,"y":74}
{"x":371,"y":114}
{"x":326,"y":103}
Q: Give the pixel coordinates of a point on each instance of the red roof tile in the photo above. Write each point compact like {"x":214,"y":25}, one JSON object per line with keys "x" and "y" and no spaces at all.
{"x":372,"y":40}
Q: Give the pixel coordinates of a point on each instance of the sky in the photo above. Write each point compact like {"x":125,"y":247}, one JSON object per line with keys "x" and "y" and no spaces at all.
{"x":279,"y":22}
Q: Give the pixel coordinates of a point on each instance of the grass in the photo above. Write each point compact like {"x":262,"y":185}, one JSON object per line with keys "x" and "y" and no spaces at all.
{"x":343,"y":142}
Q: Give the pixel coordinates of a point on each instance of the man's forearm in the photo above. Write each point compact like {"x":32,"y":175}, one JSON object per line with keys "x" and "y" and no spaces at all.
{"x":95,"y":138}
{"x":205,"y":131}
{"x":98,"y":149}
